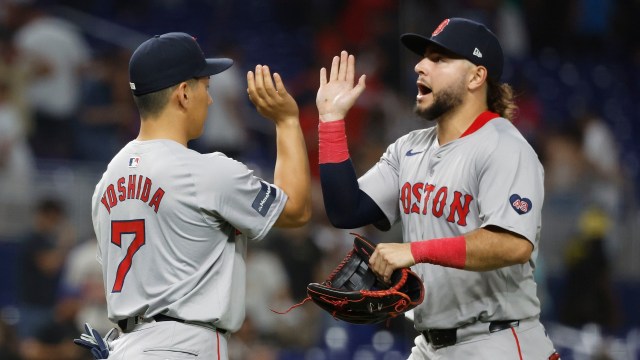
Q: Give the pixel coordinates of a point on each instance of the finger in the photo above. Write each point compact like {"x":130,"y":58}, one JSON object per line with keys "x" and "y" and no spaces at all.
{"x":342,"y":72}
{"x":373,"y":258}
{"x":251,"y":87}
{"x":334,"y":69}
{"x":379,"y":267}
{"x":282,"y":91}
{"x":268,"y":81}
{"x":359,"y":88}
{"x":259,"y":81}
{"x":351,"y":69}
{"x":323,"y":76}
{"x":387,"y":273}
{"x":251,"y":83}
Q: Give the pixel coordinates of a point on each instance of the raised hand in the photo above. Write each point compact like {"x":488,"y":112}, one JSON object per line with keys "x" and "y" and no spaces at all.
{"x":337,"y":94}
{"x":269,"y":96}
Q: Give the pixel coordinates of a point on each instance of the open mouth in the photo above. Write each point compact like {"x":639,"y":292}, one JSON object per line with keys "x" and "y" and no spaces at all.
{"x":423,"y":90}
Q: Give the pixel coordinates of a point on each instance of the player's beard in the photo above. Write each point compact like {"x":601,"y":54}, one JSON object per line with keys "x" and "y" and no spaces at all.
{"x":443,"y":102}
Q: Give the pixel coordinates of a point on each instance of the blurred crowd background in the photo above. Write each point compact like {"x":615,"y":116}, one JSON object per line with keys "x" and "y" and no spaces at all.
{"x":66,"y":109}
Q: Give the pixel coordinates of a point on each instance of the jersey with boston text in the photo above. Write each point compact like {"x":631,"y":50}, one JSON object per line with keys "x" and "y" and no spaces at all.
{"x":490,"y":176}
{"x":172,"y":227}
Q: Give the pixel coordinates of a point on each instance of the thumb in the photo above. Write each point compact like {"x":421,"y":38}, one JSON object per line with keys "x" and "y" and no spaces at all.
{"x":360,"y":86}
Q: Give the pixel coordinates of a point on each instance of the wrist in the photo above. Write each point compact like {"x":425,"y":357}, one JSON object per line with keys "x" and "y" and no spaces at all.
{"x":287,"y":121}
{"x":330,"y":117}
{"x":449,"y":252}
{"x":332,"y":142}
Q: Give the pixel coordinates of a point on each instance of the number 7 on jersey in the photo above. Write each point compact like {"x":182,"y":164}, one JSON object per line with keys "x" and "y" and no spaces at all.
{"x":135,"y":227}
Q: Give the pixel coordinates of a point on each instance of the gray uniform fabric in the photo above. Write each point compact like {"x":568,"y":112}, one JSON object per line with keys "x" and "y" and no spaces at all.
{"x":490,"y":177}
{"x":172,"y":227}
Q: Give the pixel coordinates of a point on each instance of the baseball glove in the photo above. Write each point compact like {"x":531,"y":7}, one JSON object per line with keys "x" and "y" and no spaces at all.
{"x":354,"y":294}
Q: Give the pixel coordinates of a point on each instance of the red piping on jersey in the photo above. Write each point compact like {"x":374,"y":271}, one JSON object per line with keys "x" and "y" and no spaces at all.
{"x":218,"y":340}
{"x":515,"y":336}
{"x":479,"y":122}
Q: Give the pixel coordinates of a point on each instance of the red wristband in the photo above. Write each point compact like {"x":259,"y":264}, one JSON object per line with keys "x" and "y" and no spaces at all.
{"x":449,"y":252}
{"x":332,"y":142}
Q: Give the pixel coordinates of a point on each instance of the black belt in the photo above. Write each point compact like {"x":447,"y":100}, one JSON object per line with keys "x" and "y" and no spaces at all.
{"x":161,"y":317}
{"x":439,"y":338}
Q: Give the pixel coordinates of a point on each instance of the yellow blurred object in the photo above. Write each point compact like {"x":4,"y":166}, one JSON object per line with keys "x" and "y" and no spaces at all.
{"x":594,"y":223}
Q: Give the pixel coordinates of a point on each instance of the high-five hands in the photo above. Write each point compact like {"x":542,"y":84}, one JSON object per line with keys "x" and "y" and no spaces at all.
{"x":337,"y":94}
{"x":269,"y":95}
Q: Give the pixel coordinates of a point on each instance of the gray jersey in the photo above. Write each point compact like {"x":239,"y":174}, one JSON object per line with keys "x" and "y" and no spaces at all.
{"x":491,"y":176}
{"x":172,"y":226}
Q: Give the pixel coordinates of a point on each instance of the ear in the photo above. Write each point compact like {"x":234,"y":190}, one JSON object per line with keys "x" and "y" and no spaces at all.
{"x":183,"y":94}
{"x":478,"y":76}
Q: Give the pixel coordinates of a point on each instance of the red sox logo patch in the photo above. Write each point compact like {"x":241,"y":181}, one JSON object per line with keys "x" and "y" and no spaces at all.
{"x":520,"y":205}
{"x":440,"y":27}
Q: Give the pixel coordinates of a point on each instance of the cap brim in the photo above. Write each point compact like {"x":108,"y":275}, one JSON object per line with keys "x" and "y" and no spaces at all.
{"x":414,"y":42}
{"x":418,"y":44}
{"x":215,"y":66}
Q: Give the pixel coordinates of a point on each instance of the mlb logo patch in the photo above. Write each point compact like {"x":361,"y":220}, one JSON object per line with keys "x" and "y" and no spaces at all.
{"x":134,"y":161}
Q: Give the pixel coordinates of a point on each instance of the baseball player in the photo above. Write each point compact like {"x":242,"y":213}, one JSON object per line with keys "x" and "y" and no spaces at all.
{"x":172,"y":224}
{"x":467,"y":191}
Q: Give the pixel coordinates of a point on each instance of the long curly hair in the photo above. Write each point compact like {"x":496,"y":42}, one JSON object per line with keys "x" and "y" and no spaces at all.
{"x":500,"y":99}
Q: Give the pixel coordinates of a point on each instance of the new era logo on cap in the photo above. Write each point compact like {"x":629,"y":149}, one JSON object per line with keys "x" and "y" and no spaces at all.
{"x":466,"y":38}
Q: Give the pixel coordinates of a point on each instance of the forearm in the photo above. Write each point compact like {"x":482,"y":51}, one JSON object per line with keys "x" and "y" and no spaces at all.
{"x":346,"y":205}
{"x":494,"y":249}
{"x":478,"y":250}
{"x":291,"y":173}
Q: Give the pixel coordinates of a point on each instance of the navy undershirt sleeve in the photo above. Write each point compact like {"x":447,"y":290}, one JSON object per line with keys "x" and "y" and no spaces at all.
{"x":346,"y":205}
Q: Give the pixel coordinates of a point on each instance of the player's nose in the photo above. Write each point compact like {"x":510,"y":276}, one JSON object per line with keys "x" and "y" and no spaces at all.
{"x":421,"y":67}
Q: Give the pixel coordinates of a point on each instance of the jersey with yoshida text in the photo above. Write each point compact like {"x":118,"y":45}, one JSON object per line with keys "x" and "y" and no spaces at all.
{"x":489,"y":176}
{"x":172,"y":226}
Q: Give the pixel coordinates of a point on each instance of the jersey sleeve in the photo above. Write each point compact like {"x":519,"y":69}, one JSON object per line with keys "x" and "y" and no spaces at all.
{"x":233,"y":193}
{"x":95,"y":219}
{"x":511,"y":189}
{"x":381,"y":183}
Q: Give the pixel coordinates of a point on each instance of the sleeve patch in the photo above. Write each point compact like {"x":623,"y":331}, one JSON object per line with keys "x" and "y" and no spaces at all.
{"x":520,"y":205}
{"x":264,"y":199}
